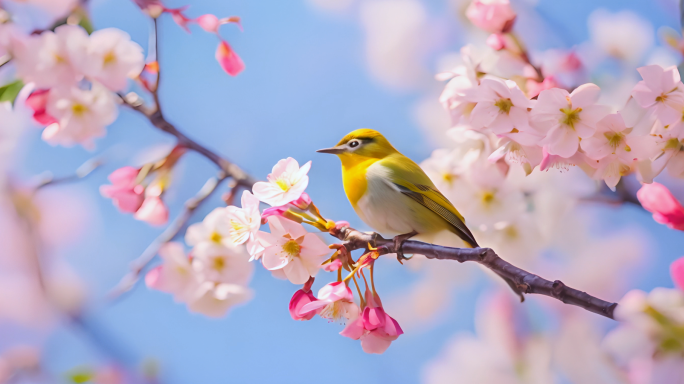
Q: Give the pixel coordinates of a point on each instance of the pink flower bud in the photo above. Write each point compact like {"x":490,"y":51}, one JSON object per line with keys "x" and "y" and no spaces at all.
{"x":493,"y":16}
{"x":229,"y":60}
{"x":677,"y":272}
{"x":299,"y":300}
{"x":209,"y":23}
{"x":496,"y":41}
{"x":37,"y":101}
{"x":153,"y":211}
{"x":126,"y":195}
{"x":273,"y":211}
{"x":302,"y":202}
{"x":657,"y":199}
{"x":534,"y":88}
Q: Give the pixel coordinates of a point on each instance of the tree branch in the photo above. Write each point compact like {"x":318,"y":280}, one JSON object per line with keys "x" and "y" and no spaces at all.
{"x":139,"y":264}
{"x":525,"y":282}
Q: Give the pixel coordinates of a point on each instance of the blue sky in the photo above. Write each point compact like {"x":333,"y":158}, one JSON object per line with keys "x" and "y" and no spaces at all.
{"x":305,"y":86}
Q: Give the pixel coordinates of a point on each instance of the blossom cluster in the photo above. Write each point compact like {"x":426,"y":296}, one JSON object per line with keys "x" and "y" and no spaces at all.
{"x":73,"y":75}
{"x":213,"y":276}
{"x":535,"y":123}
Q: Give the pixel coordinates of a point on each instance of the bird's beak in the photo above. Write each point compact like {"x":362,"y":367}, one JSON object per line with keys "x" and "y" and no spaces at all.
{"x":333,"y":150}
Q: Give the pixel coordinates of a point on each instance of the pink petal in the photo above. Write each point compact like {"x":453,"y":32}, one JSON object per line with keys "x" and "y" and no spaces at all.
{"x":152,"y":278}
{"x":299,"y":300}
{"x":585,"y":95}
{"x":652,"y":75}
{"x":153,"y":211}
{"x":374,"y":342}
{"x":373,"y":318}
{"x":229,"y":60}
{"x":271,"y":258}
{"x":677,"y":272}
{"x":562,"y":141}
{"x":353,"y":330}
{"x":335,"y":291}
{"x":296,"y":272}
{"x":209,"y":23}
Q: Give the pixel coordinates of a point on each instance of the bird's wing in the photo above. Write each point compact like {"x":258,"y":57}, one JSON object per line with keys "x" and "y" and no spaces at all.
{"x":411,"y":180}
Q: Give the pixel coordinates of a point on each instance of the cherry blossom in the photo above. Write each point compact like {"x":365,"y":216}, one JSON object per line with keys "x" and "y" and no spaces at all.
{"x":567,"y":117}
{"x":375,"y":328}
{"x":459,"y":98}
{"x":46,"y":59}
{"x":175,"y":275}
{"x":286,"y":183}
{"x":657,"y":199}
{"x":501,"y":107}
{"x":290,"y":248}
{"x":661,"y":91}
{"x":37,"y":101}
{"x":111,"y":58}
{"x":153,"y":211}
{"x":215,"y":300}
{"x":334,"y":302}
{"x":300,"y":299}
{"x":614,"y":149}
{"x":81,"y":115}
{"x":217,"y":263}
{"x":649,"y":326}
{"x":491,"y":15}
{"x":124,"y":192}
{"x":244,"y":221}
{"x":215,"y":228}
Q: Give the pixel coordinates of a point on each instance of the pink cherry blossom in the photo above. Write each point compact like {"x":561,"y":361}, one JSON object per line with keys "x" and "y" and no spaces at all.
{"x":550,"y":161}
{"x":375,"y":328}
{"x":334,"y":302}
{"x":179,"y":17}
{"x":82,"y":115}
{"x":677,"y":272}
{"x":214,"y":229}
{"x":459,"y":98}
{"x":111,"y":58}
{"x":124,"y":192}
{"x":290,"y":248}
{"x":614,"y":149}
{"x":221,"y":264}
{"x":496,"y":41}
{"x":153,"y":211}
{"x":660,"y":91}
{"x":491,"y":15}
{"x":657,"y":199}
{"x":231,"y":63}
{"x":47,"y":59}
{"x":567,"y":117}
{"x":175,"y":275}
{"x":286,"y":183}
{"x":209,"y":23}
{"x":299,"y":300}
{"x":501,"y":107}
{"x":245,"y":221}
{"x":37,"y":101}
{"x":215,"y":300}
{"x":529,"y":156}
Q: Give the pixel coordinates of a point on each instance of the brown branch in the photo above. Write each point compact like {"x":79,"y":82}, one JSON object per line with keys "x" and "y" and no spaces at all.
{"x":525,"y":282}
{"x":139,"y":264}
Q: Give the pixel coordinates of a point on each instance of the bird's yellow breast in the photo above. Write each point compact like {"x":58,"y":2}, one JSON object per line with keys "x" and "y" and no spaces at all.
{"x":354,"y":170}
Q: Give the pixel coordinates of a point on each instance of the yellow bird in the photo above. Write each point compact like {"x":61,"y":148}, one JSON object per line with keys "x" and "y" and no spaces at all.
{"x":394,"y":196}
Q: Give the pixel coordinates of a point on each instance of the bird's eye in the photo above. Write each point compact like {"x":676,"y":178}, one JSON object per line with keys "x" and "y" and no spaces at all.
{"x":354,"y":143}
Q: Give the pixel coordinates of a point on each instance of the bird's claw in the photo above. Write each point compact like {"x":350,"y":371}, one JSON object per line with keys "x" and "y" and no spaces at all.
{"x":398,"y":242}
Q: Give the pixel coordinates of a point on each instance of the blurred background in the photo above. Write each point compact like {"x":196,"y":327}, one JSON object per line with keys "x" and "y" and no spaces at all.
{"x":315,"y":70}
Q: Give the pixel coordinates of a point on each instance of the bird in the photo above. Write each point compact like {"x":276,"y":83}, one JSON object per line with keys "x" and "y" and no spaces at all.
{"x":394,"y":196}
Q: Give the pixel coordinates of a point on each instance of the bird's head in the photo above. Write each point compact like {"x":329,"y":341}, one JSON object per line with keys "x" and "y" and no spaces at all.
{"x":361,"y":143}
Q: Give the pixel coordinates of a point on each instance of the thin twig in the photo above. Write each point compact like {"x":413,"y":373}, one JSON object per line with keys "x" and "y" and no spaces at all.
{"x":48,"y":179}
{"x":139,"y":264}
{"x":526,"y":282}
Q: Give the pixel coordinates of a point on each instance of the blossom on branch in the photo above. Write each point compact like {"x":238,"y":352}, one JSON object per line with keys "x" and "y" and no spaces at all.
{"x":286,"y":183}
{"x":493,"y":16}
{"x":375,"y":328}
{"x":657,"y":199}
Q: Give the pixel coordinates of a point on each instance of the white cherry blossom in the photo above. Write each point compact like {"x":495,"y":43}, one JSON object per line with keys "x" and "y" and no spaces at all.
{"x":286,"y":183}
{"x":501,"y":107}
{"x":244,"y":221}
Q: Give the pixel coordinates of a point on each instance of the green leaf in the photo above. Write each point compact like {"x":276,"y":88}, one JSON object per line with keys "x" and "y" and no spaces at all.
{"x":10,"y":91}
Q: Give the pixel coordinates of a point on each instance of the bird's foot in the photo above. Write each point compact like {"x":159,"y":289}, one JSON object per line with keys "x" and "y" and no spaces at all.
{"x":398,"y":242}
